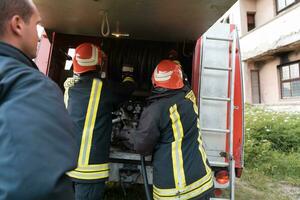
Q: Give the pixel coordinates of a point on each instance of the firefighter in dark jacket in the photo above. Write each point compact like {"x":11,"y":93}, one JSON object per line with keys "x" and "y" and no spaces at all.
{"x":90,"y":101}
{"x":37,"y":135}
{"x":169,"y":129}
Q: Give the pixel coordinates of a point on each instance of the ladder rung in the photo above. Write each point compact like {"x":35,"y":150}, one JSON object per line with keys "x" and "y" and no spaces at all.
{"x":218,"y":164}
{"x":220,"y":39}
{"x":215,"y":98}
{"x":220,"y":69}
{"x":215,"y":130}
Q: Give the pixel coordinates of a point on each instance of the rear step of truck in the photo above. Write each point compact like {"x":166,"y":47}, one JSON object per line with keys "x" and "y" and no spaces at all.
{"x":211,"y":72}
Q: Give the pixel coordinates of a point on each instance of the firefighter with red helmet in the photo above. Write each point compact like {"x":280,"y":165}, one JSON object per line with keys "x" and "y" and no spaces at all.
{"x":169,"y":129}
{"x":90,"y":100}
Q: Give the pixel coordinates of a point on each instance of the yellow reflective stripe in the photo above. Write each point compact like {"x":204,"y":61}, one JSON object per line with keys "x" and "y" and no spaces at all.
{"x":177,"y":160}
{"x":192,"y":98}
{"x":198,"y":123}
{"x":89,"y":123}
{"x":188,"y":195}
{"x":202,"y":152}
{"x":88,"y":175}
{"x":98,"y":94}
{"x":187,"y":189}
{"x":93,"y":168}
{"x":128,"y":79}
{"x":198,"y":191}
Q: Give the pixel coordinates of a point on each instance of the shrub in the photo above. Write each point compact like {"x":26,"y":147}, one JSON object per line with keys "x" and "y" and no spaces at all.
{"x":282,"y":130}
{"x":272,"y":143}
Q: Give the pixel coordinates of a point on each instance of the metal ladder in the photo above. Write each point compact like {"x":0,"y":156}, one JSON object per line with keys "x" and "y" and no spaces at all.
{"x":232,"y":40}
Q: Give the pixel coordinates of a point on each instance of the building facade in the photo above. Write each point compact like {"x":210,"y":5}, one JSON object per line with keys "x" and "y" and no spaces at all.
{"x":269,"y":33}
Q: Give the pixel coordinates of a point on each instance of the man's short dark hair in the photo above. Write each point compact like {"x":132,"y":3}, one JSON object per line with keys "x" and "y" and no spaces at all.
{"x":10,"y":8}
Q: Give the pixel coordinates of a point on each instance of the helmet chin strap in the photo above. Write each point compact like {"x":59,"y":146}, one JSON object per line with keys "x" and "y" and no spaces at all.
{"x":158,"y":90}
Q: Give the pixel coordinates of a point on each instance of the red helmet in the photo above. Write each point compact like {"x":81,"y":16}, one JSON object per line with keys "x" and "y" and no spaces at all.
{"x":87,"y":57}
{"x":167,"y":74}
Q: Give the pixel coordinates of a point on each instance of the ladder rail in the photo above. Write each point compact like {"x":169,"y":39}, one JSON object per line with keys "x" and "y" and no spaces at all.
{"x":231,"y":87}
{"x":231,"y":158}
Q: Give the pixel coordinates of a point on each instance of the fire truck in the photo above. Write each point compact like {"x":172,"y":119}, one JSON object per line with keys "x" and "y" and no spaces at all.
{"x":141,"y":33}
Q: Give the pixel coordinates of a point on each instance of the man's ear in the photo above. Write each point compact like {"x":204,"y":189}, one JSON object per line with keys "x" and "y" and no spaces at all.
{"x":16,"y":25}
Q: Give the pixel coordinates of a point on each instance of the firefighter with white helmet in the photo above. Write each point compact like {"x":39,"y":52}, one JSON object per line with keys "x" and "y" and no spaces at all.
{"x":90,"y":100}
{"x":169,"y":129}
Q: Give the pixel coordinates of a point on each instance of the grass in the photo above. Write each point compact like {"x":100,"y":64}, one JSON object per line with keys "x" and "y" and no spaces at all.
{"x":254,"y":185}
{"x":272,"y":156}
{"x":272,"y":145}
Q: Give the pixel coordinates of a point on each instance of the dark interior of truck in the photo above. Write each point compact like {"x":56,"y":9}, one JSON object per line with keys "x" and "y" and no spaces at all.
{"x":143,"y":55}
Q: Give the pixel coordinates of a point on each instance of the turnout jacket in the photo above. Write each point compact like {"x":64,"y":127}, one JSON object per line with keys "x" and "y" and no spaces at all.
{"x":169,"y":128}
{"x":90,"y":102}
{"x":37,"y":136}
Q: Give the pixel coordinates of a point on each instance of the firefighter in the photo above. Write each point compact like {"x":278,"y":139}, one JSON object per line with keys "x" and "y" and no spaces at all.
{"x":90,"y":100}
{"x":169,"y":129}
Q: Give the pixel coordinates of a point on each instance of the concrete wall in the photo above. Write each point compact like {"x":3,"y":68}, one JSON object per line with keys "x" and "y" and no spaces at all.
{"x":265,"y":11}
{"x":246,"y":6}
{"x":295,"y":56}
{"x":273,"y":33}
{"x":282,"y":30}
{"x":269,"y":82}
{"x":247,"y":81}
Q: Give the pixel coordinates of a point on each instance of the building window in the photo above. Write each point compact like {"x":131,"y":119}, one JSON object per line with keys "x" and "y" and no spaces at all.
{"x":226,"y":20}
{"x":282,"y":4}
{"x":250,"y":20}
{"x":290,"y":80}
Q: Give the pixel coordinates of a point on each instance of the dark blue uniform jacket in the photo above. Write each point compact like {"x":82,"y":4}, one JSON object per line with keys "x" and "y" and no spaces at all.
{"x":37,"y":142}
{"x":169,"y":128}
